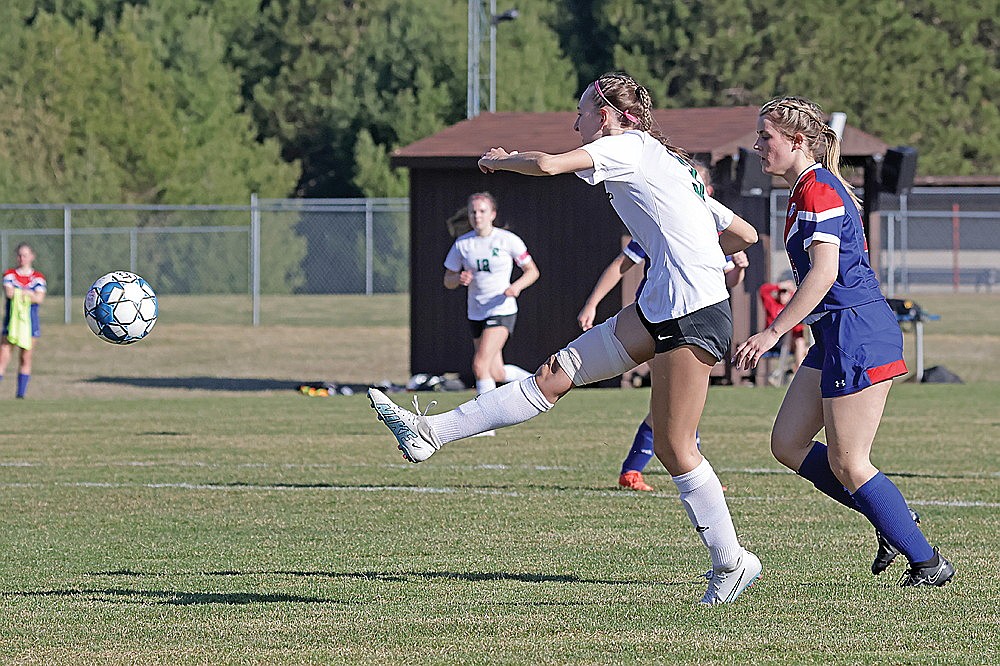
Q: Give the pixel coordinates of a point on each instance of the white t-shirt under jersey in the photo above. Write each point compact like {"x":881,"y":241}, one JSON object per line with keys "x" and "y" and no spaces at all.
{"x":662,"y":201}
{"x":491,"y":260}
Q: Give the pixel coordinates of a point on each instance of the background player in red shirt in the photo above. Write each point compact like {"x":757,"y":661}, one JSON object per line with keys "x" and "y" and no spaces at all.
{"x":774,"y":296}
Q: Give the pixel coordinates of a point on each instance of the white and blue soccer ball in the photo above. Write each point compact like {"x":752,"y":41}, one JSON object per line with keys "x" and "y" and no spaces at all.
{"x":120,"y":308}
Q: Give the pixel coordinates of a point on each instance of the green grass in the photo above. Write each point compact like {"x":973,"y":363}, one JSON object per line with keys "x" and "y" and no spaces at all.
{"x":237,"y":309}
{"x":284,"y":529}
{"x":176,"y":501}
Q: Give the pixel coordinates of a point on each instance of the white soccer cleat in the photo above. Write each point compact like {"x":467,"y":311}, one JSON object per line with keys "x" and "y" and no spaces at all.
{"x":416,"y":439}
{"x":725,"y":586}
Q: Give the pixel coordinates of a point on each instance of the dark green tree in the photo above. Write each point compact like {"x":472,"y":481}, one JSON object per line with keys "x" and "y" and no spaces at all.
{"x":145,"y":110}
{"x":343,"y":84}
{"x":140,"y":112}
{"x":923,"y":74}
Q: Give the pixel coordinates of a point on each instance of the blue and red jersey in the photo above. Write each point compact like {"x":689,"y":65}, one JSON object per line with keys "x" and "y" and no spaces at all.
{"x":820,"y":209}
{"x":33,"y":281}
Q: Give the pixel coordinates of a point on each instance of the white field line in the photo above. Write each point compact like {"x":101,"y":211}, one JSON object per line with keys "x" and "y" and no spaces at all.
{"x":244,"y":487}
{"x":208,"y":465}
{"x":410,"y":466}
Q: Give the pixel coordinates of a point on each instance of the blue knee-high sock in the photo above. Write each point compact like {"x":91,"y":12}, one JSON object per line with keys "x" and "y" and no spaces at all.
{"x":881,"y":502}
{"x":816,"y":468}
{"x":642,"y":450}
{"x":22,"y":384}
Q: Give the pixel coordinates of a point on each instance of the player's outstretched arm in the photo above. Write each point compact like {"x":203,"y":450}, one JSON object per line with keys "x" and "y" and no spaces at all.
{"x":535,"y":163}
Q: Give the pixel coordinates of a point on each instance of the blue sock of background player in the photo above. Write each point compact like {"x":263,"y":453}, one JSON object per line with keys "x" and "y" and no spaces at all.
{"x":639,"y":456}
{"x":22,"y":384}
{"x":642,"y":450}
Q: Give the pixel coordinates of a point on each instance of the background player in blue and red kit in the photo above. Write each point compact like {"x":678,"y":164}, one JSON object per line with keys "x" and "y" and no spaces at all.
{"x":641,"y":452}
{"x":30,"y":283}
{"x":843,"y":382}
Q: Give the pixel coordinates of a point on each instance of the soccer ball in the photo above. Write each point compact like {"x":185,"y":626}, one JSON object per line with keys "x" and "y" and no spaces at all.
{"x":120,"y":308}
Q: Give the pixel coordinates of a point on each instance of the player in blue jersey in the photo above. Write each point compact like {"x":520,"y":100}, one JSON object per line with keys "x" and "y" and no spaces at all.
{"x":844,"y":380}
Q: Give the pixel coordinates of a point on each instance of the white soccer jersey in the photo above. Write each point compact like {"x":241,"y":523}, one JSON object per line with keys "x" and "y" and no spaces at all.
{"x":491,"y":260}
{"x":662,"y":201}
{"x":723,"y":216}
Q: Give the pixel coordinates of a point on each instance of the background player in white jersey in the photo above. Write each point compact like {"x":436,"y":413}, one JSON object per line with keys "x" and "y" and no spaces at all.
{"x":681,"y":324}
{"x":483,"y":260}
{"x":844,"y":380}
{"x":641,"y":452}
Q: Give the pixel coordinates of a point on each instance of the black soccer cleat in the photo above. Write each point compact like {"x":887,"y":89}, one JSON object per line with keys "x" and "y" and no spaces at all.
{"x":935,"y":575}
{"x":886,"y":551}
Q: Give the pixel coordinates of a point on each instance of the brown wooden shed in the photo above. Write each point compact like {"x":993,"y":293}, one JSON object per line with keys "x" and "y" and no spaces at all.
{"x":569,"y":227}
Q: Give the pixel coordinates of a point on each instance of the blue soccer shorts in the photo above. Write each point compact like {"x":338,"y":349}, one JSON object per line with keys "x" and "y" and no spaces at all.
{"x":855,"y":348}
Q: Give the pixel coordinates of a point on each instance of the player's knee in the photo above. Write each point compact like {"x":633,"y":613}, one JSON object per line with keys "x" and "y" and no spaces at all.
{"x":549,"y":372}
{"x":838,"y":466}
{"x":843,"y":467}
{"x":552,"y":379}
{"x":594,"y":356}
{"x":784,"y":449}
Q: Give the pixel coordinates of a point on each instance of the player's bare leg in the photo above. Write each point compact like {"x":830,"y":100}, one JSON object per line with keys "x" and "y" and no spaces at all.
{"x":680,"y":379}
{"x":799,"y":419}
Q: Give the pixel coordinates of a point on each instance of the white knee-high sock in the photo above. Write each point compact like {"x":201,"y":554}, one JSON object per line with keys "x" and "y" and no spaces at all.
{"x":508,"y":405}
{"x":515,"y":373}
{"x":701,"y":495}
{"x":484,"y":385}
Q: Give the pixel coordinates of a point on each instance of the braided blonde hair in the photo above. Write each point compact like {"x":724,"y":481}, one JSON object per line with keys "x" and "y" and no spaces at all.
{"x":629,"y":98}
{"x":792,"y":115}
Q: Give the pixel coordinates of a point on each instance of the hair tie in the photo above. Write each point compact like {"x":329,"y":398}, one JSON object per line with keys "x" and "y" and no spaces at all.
{"x":628,"y":115}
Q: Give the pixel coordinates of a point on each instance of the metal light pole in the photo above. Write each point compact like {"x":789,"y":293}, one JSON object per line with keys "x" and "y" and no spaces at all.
{"x":477,"y":17}
{"x":495,"y":18}
{"x":472,"y":89}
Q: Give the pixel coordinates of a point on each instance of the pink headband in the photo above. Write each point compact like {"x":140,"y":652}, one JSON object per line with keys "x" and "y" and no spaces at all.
{"x":628,"y":115}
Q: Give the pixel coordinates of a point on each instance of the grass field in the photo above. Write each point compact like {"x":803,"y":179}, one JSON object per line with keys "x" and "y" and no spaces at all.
{"x":177,"y":502}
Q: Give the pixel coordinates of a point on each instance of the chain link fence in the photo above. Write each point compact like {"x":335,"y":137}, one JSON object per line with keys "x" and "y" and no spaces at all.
{"x":231,"y":264}
{"x":246,"y":264}
{"x":934,"y":239}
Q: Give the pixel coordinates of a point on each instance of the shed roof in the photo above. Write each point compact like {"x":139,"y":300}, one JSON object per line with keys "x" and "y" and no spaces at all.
{"x":718,"y":130}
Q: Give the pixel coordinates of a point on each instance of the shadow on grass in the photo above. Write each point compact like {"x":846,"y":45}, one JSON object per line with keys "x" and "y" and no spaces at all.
{"x":202,"y":383}
{"x":416,"y":488}
{"x":176,"y":597}
{"x":403,"y":576}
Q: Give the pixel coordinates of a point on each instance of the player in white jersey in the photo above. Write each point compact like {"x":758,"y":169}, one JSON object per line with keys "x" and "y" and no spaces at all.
{"x":641,"y":451}
{"x":681,"y":324}
{"x":483,"y":260}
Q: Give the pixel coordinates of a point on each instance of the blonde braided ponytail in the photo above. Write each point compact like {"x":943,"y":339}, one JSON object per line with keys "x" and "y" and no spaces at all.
{"x":628,"y":98}
{"x":798,"y":115}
